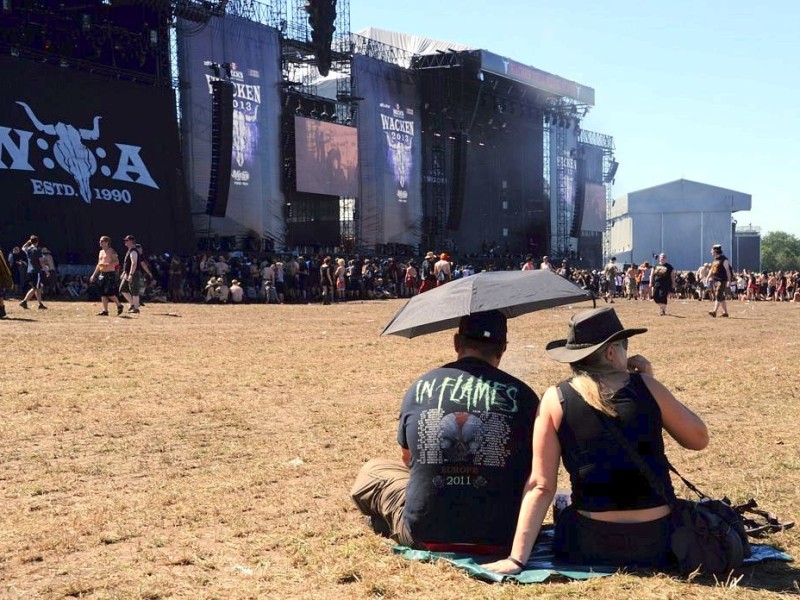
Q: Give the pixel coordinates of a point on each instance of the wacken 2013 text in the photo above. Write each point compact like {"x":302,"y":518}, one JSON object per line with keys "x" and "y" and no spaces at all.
{"x":400,"y":125}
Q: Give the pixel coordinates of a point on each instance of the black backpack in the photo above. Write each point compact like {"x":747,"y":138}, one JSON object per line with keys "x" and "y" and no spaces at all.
{"x":708,"y":535}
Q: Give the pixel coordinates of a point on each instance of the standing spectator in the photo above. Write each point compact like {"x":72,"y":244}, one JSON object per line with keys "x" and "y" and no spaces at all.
{"x":565,"y":271}
{"x":391,"y":276}
{"x":428,"y":276}
{"x":412,"y":277}
{"x":221,"y":267}
{"x":701,"y":276}
{"x":339,"y":277}
{"x":175,"y":282}
{"x":610,"y":283}
{"x":368,"y":274}
{"x":131,"y":286}
{"x":353,"y":276}
{"x":290,"y":278}
{"x":6,"y":283}
{"x":643,"y":279}
{"x":718,"y":277}
{"x":528,"y":264}
{"x":51,"y":272}
{"x":302,"y":279}
{"x":106,"y":274}
{"x":280,"y":287}
{"x":36,"y":272}
{"x":18,"y":263}
{"x":546,"y":264}
{"x":326,"y":280}
{"x":441,"y":269}
{"x":630,"y":282}
{"x":662,"y":283}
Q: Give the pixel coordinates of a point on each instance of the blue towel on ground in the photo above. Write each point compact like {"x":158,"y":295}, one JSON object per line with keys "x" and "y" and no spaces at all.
{"x":543,"y":564}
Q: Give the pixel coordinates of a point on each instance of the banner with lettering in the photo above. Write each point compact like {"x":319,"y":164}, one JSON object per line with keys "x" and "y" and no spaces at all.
{"x":389,"y":145}
{"x":83,"y":156}
{"x":249,"y":54}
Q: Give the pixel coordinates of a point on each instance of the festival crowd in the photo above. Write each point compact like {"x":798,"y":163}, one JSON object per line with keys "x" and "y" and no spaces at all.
{"x":238,"y":277}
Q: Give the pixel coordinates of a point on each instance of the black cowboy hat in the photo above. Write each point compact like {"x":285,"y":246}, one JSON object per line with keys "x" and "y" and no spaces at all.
{"x":588,"y":331}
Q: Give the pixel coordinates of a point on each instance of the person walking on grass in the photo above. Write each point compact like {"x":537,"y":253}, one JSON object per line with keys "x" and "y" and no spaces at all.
{"x":131,"y":285}
{"x":662,"y":283}
{"x":36,"y":272}
{"x":719,"y":275}
{"x":106,"y":274}
{"x":610,"y":283}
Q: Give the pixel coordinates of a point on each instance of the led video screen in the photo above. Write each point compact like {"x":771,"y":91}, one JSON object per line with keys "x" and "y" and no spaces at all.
{"x":327,"y":158}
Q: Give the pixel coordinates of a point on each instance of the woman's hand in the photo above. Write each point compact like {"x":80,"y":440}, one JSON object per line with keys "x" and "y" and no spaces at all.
{"x":639,"y":364}
{"x":504,"y":567}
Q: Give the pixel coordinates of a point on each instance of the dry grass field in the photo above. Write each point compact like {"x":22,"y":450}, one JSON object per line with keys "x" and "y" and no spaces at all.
{"x":207,"y":451}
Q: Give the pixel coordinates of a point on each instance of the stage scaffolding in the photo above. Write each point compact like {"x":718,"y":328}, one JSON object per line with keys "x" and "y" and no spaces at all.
{"x":606,"y":142}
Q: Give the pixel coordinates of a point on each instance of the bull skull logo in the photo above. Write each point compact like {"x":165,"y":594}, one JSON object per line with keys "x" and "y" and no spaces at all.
{"x":69,"y":151}
{"x":242,"y":135}
{"x":400,"y":157}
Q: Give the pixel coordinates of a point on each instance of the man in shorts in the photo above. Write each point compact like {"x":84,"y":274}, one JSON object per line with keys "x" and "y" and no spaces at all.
{"x":36,"y":272}
{"x":106,"y":274}
{"x":718,"y":277}
{"x":131,"y":285}
{"x":609,"y":285}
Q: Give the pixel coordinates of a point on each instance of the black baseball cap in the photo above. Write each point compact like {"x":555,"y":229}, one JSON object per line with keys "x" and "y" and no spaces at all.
{"x":488,"y":326}
{"x":129,"y":237}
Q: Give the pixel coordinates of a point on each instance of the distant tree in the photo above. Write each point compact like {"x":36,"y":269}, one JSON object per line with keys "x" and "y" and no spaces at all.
{"x":780,"y":251}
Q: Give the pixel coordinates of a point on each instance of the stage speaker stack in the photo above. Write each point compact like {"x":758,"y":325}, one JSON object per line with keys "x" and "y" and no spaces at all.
{"x":580,"y":198}
{"x":221,"y":147}
{"x":459,"y":182}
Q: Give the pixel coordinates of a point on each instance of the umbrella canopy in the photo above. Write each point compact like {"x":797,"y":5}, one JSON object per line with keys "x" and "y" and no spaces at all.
{"x":513,"y":293}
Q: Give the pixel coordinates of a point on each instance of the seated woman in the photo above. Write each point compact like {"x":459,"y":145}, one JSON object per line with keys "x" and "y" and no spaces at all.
{"x":616,"y":518}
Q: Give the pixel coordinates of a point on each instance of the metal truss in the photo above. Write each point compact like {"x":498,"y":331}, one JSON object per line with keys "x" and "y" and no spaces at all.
{"x":565,"y":173}
{"x":380,"y":51}
{"x":272,"y":14}
{"x":442,"y":60}
{"x":606,"y":142}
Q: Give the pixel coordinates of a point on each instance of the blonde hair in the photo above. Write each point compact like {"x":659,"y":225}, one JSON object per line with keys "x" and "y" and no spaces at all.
{"x":587,"y":379}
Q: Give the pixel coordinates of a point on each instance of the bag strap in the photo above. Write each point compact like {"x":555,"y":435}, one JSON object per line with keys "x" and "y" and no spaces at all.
{"x":565,"y":388}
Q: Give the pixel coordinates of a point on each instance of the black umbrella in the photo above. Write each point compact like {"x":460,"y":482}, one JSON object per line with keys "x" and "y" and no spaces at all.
{"x":513,"y":293}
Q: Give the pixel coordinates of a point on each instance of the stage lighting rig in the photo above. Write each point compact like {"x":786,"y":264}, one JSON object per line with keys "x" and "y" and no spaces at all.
{"x":321,"y":17}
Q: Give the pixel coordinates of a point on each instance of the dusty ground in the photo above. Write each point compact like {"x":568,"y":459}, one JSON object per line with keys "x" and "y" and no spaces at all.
{"x":207,"y":452}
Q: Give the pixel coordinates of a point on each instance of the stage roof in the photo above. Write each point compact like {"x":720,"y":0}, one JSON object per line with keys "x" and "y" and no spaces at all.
{"x":416,"y":45}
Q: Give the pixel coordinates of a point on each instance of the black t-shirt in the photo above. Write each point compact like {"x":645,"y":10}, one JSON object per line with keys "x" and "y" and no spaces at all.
{"x":127,"y":264}
{"x":662,"y":275}
{"x":468,"y":427}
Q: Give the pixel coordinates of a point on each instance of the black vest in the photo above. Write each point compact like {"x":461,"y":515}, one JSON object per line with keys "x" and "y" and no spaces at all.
{"x":602,"y":474}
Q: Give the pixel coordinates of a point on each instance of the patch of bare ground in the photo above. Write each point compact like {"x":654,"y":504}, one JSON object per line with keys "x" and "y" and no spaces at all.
{"x":210,"y":456}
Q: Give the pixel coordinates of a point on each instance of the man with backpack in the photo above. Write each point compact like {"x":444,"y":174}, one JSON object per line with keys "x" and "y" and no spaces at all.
{"x":441,"y":269}
{"x":428,"y":276}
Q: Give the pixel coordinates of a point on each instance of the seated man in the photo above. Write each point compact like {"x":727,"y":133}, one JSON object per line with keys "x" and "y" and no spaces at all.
{"x":465,"y":437}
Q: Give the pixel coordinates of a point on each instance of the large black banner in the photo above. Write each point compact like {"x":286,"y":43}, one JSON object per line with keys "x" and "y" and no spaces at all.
{"x":83,"y":156}
{"x":255,"y":202}
{"x":389,"y":142}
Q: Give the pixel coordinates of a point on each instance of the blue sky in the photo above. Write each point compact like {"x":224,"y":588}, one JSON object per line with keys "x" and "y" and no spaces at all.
{"x":705,"y":90}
